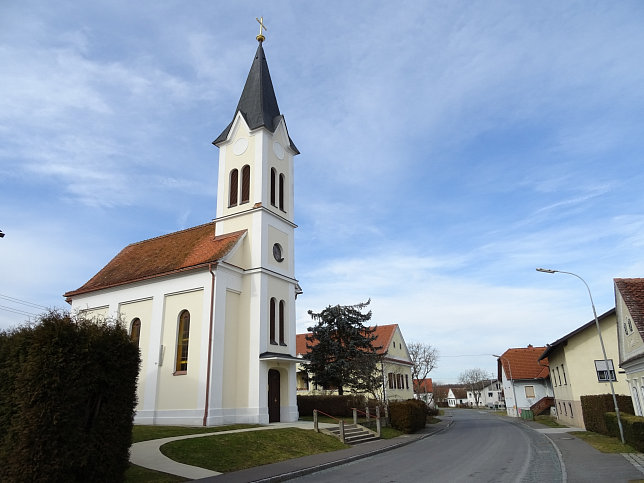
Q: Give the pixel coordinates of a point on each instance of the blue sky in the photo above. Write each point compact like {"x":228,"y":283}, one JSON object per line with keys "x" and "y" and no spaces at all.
{"x":448,"y":149}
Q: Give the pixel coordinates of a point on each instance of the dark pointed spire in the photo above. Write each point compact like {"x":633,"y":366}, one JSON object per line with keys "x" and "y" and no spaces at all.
{"x":257,"y":103}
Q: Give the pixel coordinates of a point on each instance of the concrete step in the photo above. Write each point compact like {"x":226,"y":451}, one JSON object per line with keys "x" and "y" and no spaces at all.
{"x":353,"y":434}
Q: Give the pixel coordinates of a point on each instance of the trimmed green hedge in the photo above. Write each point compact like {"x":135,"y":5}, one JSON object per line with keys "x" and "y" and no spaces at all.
{"x":408,"y":416}
{"x":67,"y":400}
{"x":338,"y":406}
{"x":633,"y":427}
{"x":594,"y":407}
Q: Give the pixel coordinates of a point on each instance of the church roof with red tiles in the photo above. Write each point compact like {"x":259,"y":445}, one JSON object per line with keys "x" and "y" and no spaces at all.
{"x":175,"y":252}
{"x":523,"y":363}
{"x":632,"y":291}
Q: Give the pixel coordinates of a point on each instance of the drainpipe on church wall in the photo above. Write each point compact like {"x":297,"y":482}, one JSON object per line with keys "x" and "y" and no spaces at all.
{"x":210,"y":321}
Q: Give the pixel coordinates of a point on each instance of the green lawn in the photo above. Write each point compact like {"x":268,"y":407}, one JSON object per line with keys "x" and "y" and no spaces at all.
{"x":605,"y":444}
{"x":238,"y":451}
{"x":146,"y":433}
{"x":548,"y":420}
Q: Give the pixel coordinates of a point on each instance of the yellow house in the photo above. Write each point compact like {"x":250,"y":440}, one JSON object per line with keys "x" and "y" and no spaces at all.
{"x":578,"y":368}
{"x":395,"y":367}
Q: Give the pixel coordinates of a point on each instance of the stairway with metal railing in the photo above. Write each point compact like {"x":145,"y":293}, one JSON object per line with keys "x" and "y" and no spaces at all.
{"x":353,"y":434}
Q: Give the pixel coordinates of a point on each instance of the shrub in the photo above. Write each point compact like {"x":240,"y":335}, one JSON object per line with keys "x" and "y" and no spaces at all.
{"x":339,"y":406}
{"x":633,"y":427}
{"x":594,"y":407}
{"x":407,"y":416}
{"x":67,"y":400}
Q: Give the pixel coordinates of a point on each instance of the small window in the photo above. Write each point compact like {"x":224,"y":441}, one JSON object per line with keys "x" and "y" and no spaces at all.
{"x":406,"y":381}
{"x":183,"y":337}
{"x":570,"y":407}
{"x":135,"y":330}
{"x":245,"y":184}
{"x":234,"y":188}
{"x":558,"y":375}
{"x":272,"y":321}
{"x":282,"y":310}
{"x":273,"y":176}
{"x":282,"y":192}
{"x":529,"y":391}
{"x":605,"y":373}
{"x":489,"y":394}
{"x":390,"y":379}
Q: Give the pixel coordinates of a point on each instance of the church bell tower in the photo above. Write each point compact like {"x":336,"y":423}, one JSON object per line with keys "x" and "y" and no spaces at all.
{"x":255,"y":194}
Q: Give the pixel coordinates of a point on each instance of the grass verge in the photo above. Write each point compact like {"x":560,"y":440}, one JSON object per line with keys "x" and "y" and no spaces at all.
{"x":605,"y":444}
{"x":548,"y":420}
{"x":146,"y":433}
{"x":238,"y":451}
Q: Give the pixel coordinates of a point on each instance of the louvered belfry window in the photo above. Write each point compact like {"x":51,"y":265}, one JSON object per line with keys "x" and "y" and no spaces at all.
{"x":273,"y":174}
{"x":282,"y":192}
{"x":245,"y":186}
{"x":234,"y":187}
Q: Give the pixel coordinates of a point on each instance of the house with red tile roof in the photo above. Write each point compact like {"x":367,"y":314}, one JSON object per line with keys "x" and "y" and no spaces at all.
{"x":524,"y":377}
{"x":424,"y":390}
{"x":577,"y":367}
{"x":395,"y":366}
{"x":212,"y":307}
{"x":629,"y":308}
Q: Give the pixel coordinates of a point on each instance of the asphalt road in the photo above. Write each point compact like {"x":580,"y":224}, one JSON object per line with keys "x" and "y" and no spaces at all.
{"x":477,"y":447}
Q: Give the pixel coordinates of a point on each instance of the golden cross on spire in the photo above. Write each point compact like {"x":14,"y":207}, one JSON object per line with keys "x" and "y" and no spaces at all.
{"x":260,"y":37}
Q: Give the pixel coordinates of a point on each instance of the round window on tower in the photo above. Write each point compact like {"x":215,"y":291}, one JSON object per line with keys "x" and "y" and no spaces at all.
{"x":277,"y":252}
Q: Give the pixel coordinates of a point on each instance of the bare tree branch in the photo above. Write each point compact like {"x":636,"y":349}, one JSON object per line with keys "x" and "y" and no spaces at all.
{"x":475,"y":380}
{"x":424,"y":358}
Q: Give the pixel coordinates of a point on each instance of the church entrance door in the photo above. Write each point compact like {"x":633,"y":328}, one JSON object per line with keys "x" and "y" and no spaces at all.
{"x":273,"y":396}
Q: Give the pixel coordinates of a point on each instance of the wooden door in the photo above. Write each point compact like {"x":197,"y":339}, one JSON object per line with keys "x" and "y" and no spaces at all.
{"x":273,"y":396}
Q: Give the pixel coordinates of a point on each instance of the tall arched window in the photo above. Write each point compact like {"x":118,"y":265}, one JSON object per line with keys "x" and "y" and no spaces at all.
{"x":183,"y":336}
{"x":273,"y":176}
{"x":135,"y":330}
{"x":282,"y":310}
{"x":282,"y":192}
{"x":272,"y":321}
{"x":245,"y":184}
{"x":234,"y":187}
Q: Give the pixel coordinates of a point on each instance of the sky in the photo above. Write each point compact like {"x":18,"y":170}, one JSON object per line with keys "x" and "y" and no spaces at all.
{"x":448,"y":148}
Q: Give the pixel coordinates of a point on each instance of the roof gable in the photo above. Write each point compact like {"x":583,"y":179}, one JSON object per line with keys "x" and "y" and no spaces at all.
{"x":550,"y":348}
{"x":523,"y":363}
{"x":424,"y":385}
{"x":178,"y":251}
{"x":632,"y":291}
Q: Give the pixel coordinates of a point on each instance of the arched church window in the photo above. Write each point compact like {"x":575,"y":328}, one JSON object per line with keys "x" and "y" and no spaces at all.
{"x":234,"y":187}
{"x":245,"y":184}
{"x":135,"y":330}
{"x":272,"y":321}
{"x":282,"y":192}
{"x":282,"y":310}
{"x":273,"y":176}
{"x":183,"y":337}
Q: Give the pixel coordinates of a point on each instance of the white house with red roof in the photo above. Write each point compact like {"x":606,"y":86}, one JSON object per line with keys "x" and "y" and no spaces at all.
{"x":424,"y":390}
{"x":629,"y":308}
{"x":525,"y":378}
{"x":395,"y":366}
{"x":212,"y":308}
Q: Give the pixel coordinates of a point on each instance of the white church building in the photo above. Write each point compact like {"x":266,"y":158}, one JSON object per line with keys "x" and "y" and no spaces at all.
{"x":213,"y":307}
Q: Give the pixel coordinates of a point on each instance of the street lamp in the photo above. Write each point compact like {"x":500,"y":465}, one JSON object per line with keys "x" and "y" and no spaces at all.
{"x":601,"y":341}
{"x":514,"y":393}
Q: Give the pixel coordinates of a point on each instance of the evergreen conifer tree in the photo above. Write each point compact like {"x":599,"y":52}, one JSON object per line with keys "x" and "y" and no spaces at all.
{"x":341,"y":351}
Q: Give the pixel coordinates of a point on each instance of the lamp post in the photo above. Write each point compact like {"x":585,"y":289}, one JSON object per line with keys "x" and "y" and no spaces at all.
{"x":601,"y":341}
{"x":514,"y":393}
